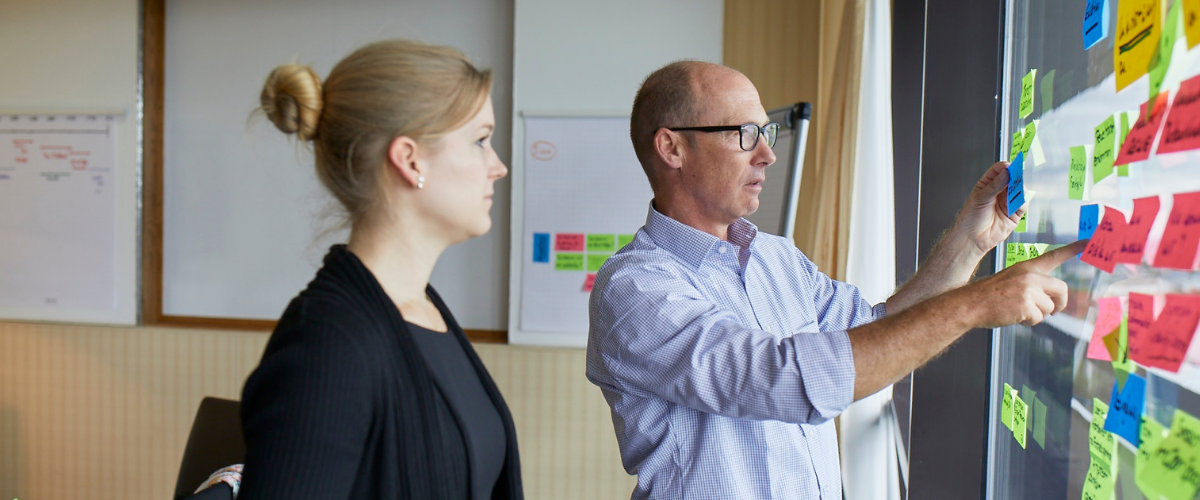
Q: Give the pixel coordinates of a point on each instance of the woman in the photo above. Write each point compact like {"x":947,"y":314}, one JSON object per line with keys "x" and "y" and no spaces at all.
{"x":368,"y":388}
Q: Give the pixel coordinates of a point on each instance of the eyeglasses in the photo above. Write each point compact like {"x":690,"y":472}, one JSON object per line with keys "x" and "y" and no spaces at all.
{"x":748,"y":133}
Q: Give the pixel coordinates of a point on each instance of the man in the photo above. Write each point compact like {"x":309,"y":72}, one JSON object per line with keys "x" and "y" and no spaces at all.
{"x":724,"y":353}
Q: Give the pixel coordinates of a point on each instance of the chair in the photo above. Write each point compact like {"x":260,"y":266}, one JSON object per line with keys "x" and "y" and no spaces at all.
{"x":215,"y":442}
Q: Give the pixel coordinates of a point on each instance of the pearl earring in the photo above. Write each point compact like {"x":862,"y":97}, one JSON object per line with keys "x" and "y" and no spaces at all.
{"x":420,"y":182}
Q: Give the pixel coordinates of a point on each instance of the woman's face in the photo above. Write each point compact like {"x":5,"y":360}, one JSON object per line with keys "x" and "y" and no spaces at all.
{"x":460,"y":180}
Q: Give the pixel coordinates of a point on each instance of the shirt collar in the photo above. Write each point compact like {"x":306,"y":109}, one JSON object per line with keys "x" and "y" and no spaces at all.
{"x":693,"y":245}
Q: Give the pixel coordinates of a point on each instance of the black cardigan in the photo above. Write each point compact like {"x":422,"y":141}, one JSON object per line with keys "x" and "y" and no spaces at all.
{"x":343,"y":406}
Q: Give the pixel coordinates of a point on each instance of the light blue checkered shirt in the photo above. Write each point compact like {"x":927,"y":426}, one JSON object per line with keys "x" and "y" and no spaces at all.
{"x":724,"y":363}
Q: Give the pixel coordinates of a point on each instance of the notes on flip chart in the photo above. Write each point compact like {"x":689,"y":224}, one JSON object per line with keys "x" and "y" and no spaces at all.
{"x":1173,"y":467}
{"x":1104,"y":154}
{"x":596,"y":260}
{"x":1137,"y":34}
{"x":1145,"y":129}
{"x":1095,"y":22}
{"x":601,"y":243}
{"x":1077,"y":175}
{"x":1171,"y":333}
{"x":1177,"y":248}
{"x":1027,"y":84}
{"x":1161,"y":60}
{"x":1020,"y":416}
{"x":541,"y":247}
{"x":568,"y":261}
{"x":1105,"y":242}
{"x":1150,"y":436}
{"x":1134,"y":240}
{"x":1181,"y":131}
{"x":1109,"y":311}
{"x":1125,"y":409}
{"x":568,"y":242}
{"x":1016,"y":184}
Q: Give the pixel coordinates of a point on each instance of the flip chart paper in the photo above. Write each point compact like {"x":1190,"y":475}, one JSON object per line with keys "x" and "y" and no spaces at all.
{"x":1177,"y":249}
{"x":1027,"y":93}
{"x":1151,"y":435}
{"x":1006,"y":406}
{"x":1181,"y":131}
{"x":601,"y":243}
{"x":1077,"y":175}
{"x":1108,"y":318}
{"x":1138,"y":31}
{"x":1089,"y":218}
{"x":1020,"y":415}
{"x":1144,"y":132}
{"x":1016,"y":184}
{"x":1174,"y":466}
{"x":1133,"y":243}
{"x":1104,"y":154}
{"x":568,"y":261}
{"x":568,"y":242}
{"x":1171,"y":333}
{"x":541,"y":247}
{"x":1102,"y":249}
{"x":1095,"y":22}
{"x":1125,"y":409}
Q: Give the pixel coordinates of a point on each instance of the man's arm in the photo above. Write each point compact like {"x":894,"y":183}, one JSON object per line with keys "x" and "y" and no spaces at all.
{"x":888,"y":349}
{"x":982,"y":223}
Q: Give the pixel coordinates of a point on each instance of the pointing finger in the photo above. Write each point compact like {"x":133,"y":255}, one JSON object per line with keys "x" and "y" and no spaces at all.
{"x":1050,"y":260}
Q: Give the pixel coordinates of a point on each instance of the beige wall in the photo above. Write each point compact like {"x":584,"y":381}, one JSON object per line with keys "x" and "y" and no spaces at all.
{"x":102,"y":412}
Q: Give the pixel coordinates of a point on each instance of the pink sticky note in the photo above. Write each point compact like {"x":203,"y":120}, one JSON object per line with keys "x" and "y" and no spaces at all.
{"x":1141,"y":137}
{"x":1142,"y":311}
{"x":1177,"y":249}
{"x":1108,"y":318}
{"x":568,"y":242}
{"x":1134,"y":242}
{"x":589,"y":282}
{"x":1172,"y":331}
{"x":1181,"y":131}
{"x":1102,"y":249}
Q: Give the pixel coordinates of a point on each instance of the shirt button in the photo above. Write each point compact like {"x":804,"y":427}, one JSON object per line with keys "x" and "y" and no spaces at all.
{"x":721,"y":249}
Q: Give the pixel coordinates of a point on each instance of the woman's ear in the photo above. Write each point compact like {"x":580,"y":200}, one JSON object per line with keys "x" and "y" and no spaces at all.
{"x":402,"y":155}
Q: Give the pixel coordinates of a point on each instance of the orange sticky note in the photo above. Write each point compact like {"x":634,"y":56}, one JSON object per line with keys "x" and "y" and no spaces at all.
{"x":1108,"y":319}
{"x":1134,"y":242}
{"x":1177,"y":249}
{"x":1171,"y":333}
{"x":1145,"y":130}
{"x":1102,"y":249}
{"x":1142,"y":310}
{"x":1181,"y":131}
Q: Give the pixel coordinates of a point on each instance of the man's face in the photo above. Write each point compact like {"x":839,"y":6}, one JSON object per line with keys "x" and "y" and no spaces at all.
{"x":722,"y":178}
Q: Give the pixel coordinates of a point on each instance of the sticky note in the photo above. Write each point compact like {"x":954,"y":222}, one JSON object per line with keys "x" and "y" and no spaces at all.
{"x":589,"y":282}
{"x":1125,"y":409}
{"x":1089,"y":218}
{"x":1006,"y":406}
{"x":1144,"y":132}
{"x":624,"y":239}
{"x":1191,"y":21}
{"x":1101,"y":443}
{"x":1171,"y":333}
{"x":1138,"y":30}
{"x":1151,"y":435}
{"x":1133,"y":242}
{"x":1022,"y":251}
{"x":601,"y":243}
{"x":1020,"y":415}
{"x":541,"y":247}
{"x":1108,"y":318}
{"x":1161,"y":59}
{"x":1077,"y":175}
{"x":1021,"y":225}
{"x":1039,"y":422}
{"x":1100,"y":481}
{"x":1174,"y":466}
{"x":1016,"y":184}
{"x":1010,"y":254}
{"x":1123,"y":170}
{"x":1102,"y":248}
{"x":568,"y":261}
{"x":1177,"y":249}
{"x":1018,"y":142}
{"x":1028,"y":136}
{"x":1095,"y":22}
{"x":568,"y":242}
{"x":595,"y":260}
{"x":1027,"y":93}
{"x":1112,"y":345}
{"x":1036,"y":152}
{"x":1142,"y":310}
{"x":1047,"y":86}
{"x":1181,"y":131}
{"x":1032,"y":250}
{"x":1104,"y":155}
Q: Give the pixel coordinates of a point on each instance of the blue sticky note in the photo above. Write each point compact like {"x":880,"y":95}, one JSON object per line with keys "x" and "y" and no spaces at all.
{"x":1125,"y":409}
{"x":541,"y":247}
{"x":1089,"y":217}
{"x":1095,"y":22}
{"x":1016,"y":184}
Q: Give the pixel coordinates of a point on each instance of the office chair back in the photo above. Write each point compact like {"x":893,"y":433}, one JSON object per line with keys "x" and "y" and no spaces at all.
{"x":215,"y":442}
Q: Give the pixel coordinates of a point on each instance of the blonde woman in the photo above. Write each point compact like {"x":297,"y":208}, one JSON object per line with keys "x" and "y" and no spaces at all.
{"x":368,"y":388}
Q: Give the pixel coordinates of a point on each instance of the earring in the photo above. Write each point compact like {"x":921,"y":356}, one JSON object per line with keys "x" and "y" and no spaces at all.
{"x":420,"y":182}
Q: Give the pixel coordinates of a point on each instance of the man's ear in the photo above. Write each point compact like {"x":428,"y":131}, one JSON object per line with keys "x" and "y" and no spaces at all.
{"x":402,"y":155}
{"x":670,"y":148}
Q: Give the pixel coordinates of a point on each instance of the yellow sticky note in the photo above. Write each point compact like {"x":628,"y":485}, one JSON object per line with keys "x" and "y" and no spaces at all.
{"x":1191,"y":21}
{"x":1020,"y":415}
{"x":1027,"y":93}
{"x":1138,"y":30}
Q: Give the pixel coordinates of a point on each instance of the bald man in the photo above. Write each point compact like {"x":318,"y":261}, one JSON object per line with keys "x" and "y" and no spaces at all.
{"x":723,"y":352}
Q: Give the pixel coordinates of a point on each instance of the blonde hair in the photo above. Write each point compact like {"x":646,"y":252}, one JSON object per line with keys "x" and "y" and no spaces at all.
{"x":380,"y":92}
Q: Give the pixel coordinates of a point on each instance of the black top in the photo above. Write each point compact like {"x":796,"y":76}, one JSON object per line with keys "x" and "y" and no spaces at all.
{"x":483,"y":432}
{"x":343,"y":405}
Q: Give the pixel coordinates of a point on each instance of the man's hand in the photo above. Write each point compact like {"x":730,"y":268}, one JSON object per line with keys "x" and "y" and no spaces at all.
{"x":983,"y":220}
{"x":1024,"y":293}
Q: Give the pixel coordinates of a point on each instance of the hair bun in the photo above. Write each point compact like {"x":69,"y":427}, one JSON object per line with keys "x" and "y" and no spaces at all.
{"x":291,"y":98}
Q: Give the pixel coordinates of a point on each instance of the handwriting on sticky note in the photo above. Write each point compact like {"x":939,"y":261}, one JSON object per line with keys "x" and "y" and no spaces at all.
{"x":1077,"y":175}
{"x":1095,"y":22}
{"x":568,"y":242}
{"x":1151,"y":435}
{"x":1016,"y":184}
{"x":1010,"y":254}
{"x":1123,"y":170}
{"x":1020,"y":415}
{"x":589,"y":282}
{"x":1133,"y":243}
{"x":601,"y":243}
{"x":596,"y":260}
{"x":1101,"y":250}
{"x":1108,"y":318}
{"x":1101,"y":443}
{"x":1181,"y":131}
{"x":1125,"y":409}
{"x":1138,"y":30}
{"x":1026,"y":107}
{"x":1103,"y":156}
{"x":1171,"y":333}
{"x":566,"y":261}
{"x":1142,"y":310}
{"x":1028,"y":136}
{"x":1018,"y":142}
{"x":1099,"y":482}
{"x":1174,"y":466}
{"x":1006,"y":406}
{"x":1144,"y":132}
{"x":1177,"y":249}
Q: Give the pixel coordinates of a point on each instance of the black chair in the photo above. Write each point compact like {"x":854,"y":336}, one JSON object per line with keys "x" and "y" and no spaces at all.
{"x":215,"y":442}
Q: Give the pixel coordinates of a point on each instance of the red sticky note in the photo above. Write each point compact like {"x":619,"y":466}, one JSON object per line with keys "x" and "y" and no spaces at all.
{"x":1102,"y":249}
{"x":568,"y":242}
{"x":589,"y":282}
{"x":1141,"y":137}
{"x":1171,"y":333}
{"x":1177,"y":250}
{"x":1142,"y":310}
{"x":1181,"y":131}
{"x":1134,"y":242}
{"x":1108,"y":318}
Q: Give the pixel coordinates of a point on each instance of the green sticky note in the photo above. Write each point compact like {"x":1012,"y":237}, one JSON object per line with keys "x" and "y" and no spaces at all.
{"x":1161,"y":60}
{"x":1101,"y":444}
{"x":623,"y":240}
{"x":1122,"y":365}
{"x":568,"y":261}
{"x":1027,"y":136}
{"x":1077,"y":175}
{"x":1123,"y":170}
{"x":1018,"y":142}
{"x":1174,"y":467}
{"x":1032,"y":251}
{"x":1021,"y":224}
{"x":595,"y":260}
{"x":1006,"y":406}
{"x":1149,"y":437}
{"x":601,"y":243}
{"x":1039,"y":423}
{"x":1047,"y":86}
{"x":1103,"y":155}
{"x":1020,"y":415}
{"x":1022,"y":252}
{"x":1099,"y":482}
{"x":1042,"y":247}
{"x":1027,"y":94}
{"x":1010,"y":254}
